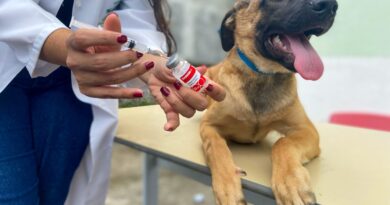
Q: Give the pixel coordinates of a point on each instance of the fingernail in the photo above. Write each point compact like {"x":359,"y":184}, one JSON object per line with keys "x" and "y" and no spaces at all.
{"x":139,"y":55}
{"x":210,"y":88}
{"x":170,"y":130}
{"x":138,"y":95}
{"x":177,"y":85}
{"x":122,"y":39}
{"x":242,"y":173}
{"x":149,"y":65}
{"x":113,"y":13}
{"x":165,"y":91}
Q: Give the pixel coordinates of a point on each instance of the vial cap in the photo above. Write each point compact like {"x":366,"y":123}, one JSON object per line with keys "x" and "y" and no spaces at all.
{"x":173,"y":61}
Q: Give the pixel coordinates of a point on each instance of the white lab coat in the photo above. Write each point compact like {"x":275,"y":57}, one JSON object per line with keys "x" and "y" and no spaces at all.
{"x":24,"y":26}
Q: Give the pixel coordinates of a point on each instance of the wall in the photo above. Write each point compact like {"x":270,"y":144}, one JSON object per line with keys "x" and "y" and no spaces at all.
{"x":195,"y":24}
{"x":348,"y":84}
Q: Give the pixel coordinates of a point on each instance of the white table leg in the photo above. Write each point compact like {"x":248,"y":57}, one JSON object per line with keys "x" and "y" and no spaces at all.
{"x":150,"y":179}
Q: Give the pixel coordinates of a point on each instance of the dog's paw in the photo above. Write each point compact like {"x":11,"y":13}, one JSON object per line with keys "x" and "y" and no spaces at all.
{"x":292,"y":187}
{"x":227,"y":190}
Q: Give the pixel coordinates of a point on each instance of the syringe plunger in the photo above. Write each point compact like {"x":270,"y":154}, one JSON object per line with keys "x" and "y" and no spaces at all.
{"x":134,"y":45}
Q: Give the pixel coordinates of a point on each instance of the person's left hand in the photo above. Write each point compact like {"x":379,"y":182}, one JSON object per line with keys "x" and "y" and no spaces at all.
{"x":98,"y":64}
{"x":174,"y":98}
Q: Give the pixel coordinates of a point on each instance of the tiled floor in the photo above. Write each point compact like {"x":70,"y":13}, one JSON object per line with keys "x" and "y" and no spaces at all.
{"x":126,"y":183}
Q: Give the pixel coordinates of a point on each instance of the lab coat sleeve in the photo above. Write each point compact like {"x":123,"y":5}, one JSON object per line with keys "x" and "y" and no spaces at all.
{"x":138,"y":23}
{"x":24,"y":27}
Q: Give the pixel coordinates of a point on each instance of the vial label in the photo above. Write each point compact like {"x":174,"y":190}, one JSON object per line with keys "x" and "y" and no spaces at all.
{"x":193,"y":79}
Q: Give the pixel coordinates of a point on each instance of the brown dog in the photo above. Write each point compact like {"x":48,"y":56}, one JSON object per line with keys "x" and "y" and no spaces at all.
{"x":268,"y":42}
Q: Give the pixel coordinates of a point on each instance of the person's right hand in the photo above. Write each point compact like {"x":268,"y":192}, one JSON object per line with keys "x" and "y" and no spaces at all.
{"x":95,"y":58}
{"x":174,"y":98}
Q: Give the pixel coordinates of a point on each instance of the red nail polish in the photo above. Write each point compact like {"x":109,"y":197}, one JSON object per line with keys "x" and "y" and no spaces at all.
{"x":122,"y":39}
{"x":210,"y":88}
{"x":139,"y":55}
{"x":149,"y":65}
{"x":138,"y":95}
{"x":177,"y":85}
{"x":165,"y":91}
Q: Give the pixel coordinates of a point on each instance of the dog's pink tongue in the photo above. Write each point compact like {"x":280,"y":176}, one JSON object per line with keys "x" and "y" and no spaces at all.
{"x":307,"y":62}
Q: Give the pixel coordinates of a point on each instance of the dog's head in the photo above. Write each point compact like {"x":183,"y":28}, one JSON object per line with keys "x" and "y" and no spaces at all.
{"x":275,"y":34}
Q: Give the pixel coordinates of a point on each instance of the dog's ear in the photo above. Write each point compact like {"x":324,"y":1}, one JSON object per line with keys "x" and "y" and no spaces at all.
{"x":227,"y":31}
{"x":229,"y":24}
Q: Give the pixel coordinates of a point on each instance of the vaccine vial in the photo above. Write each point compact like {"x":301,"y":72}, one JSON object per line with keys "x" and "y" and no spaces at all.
{"x":187,"y":74}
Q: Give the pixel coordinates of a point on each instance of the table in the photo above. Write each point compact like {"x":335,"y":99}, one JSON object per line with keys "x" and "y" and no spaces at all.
{"x":354,"y":166}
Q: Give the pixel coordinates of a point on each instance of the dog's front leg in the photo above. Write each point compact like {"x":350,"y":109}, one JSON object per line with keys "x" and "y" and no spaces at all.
{"x":226,"y":180}
{"x":290,"y":179}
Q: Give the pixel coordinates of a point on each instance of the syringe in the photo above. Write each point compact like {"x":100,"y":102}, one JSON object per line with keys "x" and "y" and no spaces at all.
{"x":130,"y":44}
{"x":142,"y":48}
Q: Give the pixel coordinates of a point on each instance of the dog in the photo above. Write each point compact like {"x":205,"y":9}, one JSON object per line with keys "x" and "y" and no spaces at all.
{"x":268,"y":43}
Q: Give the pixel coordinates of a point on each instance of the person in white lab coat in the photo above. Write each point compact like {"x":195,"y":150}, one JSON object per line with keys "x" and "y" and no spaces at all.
{"x":57,"y":126}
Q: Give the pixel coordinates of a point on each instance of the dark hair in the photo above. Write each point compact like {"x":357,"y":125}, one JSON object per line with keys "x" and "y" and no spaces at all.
{"x":162,"y":14}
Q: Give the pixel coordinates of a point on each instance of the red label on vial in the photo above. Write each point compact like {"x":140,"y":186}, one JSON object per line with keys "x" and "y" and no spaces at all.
{"x":189,"y":74}
{"x":199,"y":84}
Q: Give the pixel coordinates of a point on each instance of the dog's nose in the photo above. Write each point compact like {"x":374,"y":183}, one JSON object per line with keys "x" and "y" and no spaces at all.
{"x":324,"y":6}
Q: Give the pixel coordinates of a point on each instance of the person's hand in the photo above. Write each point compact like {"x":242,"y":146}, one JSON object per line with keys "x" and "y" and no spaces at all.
{"x":95,"y":58}
{"x":173,"y":97}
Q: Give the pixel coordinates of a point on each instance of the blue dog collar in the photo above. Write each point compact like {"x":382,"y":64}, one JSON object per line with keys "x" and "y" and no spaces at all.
{"x":250,"y":64}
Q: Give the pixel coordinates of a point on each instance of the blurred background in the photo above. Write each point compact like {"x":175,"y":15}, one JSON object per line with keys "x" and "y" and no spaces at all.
{"x":356,"y":55}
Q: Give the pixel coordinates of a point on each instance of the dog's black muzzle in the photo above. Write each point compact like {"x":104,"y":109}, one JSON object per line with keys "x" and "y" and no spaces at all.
{"x":297,"y":16}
